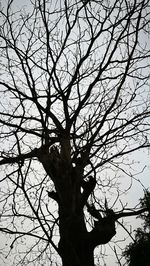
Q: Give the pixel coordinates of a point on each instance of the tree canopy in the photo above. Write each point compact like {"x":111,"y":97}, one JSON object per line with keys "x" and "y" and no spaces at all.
{"x":138,"y":252}
{"x":74,"y":103}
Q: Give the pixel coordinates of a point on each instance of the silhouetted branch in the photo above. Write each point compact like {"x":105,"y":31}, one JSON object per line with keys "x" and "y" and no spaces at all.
{"x":131,"y":213}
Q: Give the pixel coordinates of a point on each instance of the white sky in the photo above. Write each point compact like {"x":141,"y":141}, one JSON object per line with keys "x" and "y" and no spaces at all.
{"x":135,"y":192}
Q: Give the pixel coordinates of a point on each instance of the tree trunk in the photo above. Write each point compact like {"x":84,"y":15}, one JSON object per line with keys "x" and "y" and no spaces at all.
{"x":74,"y":246}
{"x":71,"y":258}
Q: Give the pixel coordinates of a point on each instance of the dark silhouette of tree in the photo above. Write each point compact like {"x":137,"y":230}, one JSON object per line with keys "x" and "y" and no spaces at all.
{"x":138,"y":252}
{"x":74,"y":102}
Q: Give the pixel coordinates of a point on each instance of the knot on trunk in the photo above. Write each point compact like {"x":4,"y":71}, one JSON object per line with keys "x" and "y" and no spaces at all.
{"x":51,"y":160}
{"x":103,"y":231}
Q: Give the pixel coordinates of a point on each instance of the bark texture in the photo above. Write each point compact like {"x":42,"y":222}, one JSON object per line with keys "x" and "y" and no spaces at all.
{"x":76,"y":246}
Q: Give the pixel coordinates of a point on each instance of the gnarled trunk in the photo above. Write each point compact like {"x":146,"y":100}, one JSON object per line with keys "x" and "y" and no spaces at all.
{"x":74,"y":246}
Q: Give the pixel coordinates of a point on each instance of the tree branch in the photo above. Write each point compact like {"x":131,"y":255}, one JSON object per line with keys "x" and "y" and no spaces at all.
{"x":131,"y":213}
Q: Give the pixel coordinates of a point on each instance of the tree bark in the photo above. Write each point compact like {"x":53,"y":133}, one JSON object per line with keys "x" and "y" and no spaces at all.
{"x":74,"y":245}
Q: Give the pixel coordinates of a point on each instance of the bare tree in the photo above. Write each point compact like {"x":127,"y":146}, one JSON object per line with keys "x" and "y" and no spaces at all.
{"x":74,"y":103}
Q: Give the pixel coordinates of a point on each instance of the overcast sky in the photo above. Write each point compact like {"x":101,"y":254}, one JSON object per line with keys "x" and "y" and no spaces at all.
{"x":141,"y":180}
